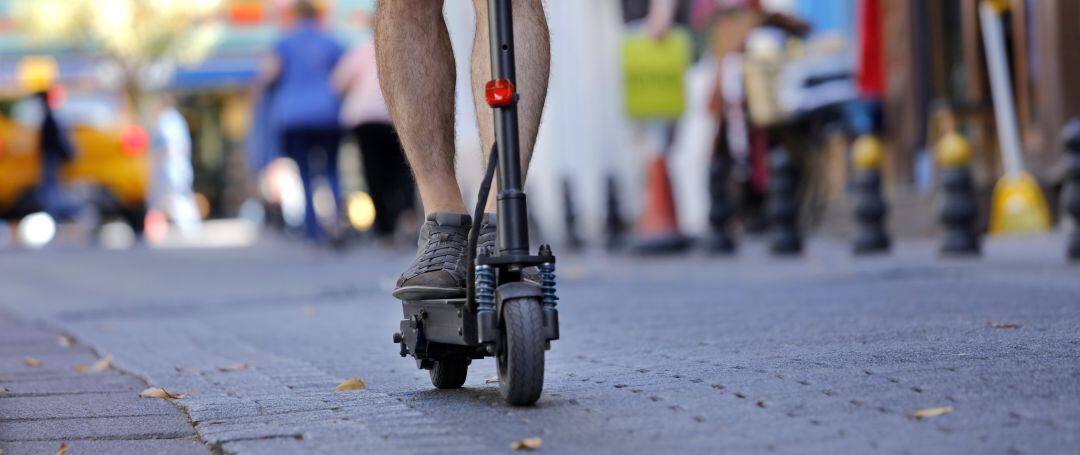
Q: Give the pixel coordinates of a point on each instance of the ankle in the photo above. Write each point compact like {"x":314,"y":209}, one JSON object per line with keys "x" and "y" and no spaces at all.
{"x":442,"y":200}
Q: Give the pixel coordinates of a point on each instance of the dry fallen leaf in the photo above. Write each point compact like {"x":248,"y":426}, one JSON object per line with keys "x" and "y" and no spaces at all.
{"x":235,"y":367}
{"x":931,"y":412}
{"x":102,"y":364}
{"x":65,"y":341}
{"x":32,"y":362}
{"x":351,"y":384}
{"x":157,"y":392}
{"x":62,"y":449}
{"x":491,"y":380}
{"x":527,"y":444}
{"x":1004,"y":325}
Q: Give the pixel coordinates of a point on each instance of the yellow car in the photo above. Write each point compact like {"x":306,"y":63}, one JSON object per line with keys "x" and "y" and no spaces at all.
{"x":110,"y":168}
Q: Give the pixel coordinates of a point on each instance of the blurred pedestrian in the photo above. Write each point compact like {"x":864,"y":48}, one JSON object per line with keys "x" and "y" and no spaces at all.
{"x":656,"y":16}
{"x":738,"y":140}
{"x":173,"y":174}
{"x":365,"y":114}
{"x":56,"y":149}
{"x":305,"y":107}
{"x":657,"y":53}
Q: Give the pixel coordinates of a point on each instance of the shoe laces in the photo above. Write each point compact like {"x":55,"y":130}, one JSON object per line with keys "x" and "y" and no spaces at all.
{"x":443,"y":250}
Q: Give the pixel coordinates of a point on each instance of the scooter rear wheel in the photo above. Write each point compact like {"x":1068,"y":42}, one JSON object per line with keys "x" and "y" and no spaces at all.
{"x":521,"y":357}
{"x":449,"y":373}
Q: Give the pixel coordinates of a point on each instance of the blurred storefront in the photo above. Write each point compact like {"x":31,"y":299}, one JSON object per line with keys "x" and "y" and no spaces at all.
{"x":214,"y":95}
{"x":918,"y":57}
{"x":935,"y":60}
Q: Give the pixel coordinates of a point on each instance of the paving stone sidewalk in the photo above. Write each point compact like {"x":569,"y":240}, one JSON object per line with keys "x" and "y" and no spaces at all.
{"x":46,"y":402}
{"x":694,"y":354}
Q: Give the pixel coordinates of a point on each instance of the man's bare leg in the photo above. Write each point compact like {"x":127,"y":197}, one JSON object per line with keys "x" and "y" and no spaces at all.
{"x":417,"y":73}
{"x":533,"y":60}
{"x":416,"y":70}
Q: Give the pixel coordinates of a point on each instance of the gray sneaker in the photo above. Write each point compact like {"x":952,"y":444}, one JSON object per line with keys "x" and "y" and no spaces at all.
{"x":487,"y":239}
{"x":438,"y":272}
{"x":487,"y":233}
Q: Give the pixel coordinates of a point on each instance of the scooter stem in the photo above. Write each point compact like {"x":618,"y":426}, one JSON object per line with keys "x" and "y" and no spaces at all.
{"x":513,"y":233}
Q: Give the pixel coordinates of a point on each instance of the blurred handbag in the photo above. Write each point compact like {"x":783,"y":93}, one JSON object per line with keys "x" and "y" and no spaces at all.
{"x":655,"y":74}
{"x":762,"y":101}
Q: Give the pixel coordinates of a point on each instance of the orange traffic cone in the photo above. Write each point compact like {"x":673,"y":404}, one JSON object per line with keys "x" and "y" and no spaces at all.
{"x":658,"y":228}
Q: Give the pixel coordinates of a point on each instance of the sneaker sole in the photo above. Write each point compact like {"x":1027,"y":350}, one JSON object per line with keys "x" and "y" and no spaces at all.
{"x":427,"y":292}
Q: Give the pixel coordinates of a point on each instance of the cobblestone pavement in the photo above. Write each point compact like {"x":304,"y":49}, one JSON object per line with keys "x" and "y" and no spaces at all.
{"x":822,"y":354}
{"x":46,"y":402}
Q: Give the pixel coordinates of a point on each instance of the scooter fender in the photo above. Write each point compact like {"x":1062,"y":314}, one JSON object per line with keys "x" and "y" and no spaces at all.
{"x":516,"y":290}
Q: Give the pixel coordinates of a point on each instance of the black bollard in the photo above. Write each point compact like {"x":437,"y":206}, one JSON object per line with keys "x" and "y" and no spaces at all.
{"x":781,"y":206}
{"x":1070,"y":135}
{"x":614,"y":226}
{"x":720,"y":209}
{"x":959,"y":212}
{"x":573,"y":239}
{"x":870,"y":208}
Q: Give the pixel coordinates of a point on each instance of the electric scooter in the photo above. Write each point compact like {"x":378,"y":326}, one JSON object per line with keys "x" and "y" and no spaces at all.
{"x":502,"y":315}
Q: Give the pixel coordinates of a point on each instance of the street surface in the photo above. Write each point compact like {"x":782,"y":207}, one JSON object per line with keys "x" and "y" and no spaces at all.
{"x":823,"y":354}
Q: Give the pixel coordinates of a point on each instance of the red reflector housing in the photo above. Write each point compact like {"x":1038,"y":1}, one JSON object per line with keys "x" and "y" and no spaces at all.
{"x":499,"y":93}
{"x":57,"y":96}
{"x":133,"y":140}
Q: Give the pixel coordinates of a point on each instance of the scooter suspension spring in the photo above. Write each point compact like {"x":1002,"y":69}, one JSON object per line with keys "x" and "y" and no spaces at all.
{"x":547,"y":285}
{"x":485,"y":288}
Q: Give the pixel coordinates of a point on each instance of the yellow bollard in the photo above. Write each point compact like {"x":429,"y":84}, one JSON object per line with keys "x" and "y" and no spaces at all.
{"x":868,"y":153}
{"x":953,"y":151}
{"x":959,"y":212}
{"x":868,"y":156}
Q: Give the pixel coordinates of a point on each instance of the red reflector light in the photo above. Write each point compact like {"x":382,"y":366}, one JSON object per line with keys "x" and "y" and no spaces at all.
{"x":499,"y":93}
{"x":133,"y":140}
{"x":57,"y":96}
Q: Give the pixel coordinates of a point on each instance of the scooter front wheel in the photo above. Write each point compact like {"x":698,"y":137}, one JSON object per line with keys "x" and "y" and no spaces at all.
{"x":521,"y":357}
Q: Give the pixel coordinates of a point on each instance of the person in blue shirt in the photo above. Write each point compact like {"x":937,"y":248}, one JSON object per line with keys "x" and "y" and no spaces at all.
{"x":305,"y":107}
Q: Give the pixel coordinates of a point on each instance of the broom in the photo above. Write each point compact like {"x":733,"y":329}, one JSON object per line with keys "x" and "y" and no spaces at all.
{"x":1017,"y":205}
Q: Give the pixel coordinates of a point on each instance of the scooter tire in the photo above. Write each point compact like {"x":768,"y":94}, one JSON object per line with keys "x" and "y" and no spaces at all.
{"x":449,"y":373}
{"x":521,"y":360}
